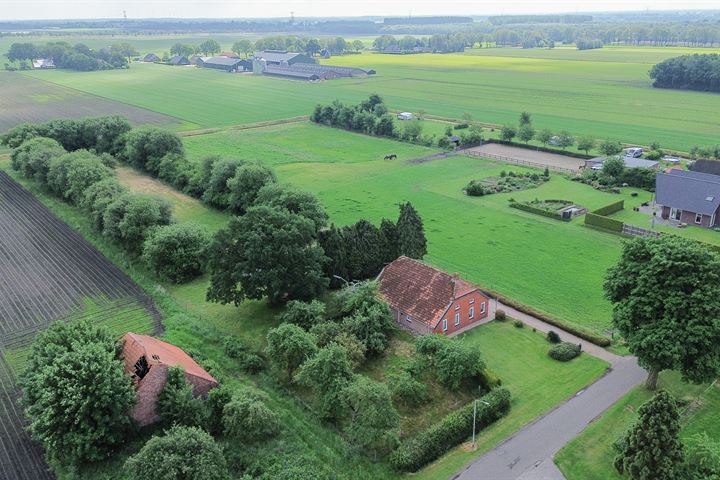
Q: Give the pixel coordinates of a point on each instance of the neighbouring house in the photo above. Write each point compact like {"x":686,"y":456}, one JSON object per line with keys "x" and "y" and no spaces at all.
{"x":147,"y":361}
{"x":151,"y":57}
{"x":425,"y":300}
{"x":178,"y":60}
{"x":43,"y":63}
{"x":226,"y":63}
{"x":688,"y":197}
{"x":705,"y":166}
{"x":229,"y":55}
{"x":393,"y":50}
{"x":283,"y":57}
{"x":405,"y":116}
{"x":197,"y":60}
{"x":630,"y":162}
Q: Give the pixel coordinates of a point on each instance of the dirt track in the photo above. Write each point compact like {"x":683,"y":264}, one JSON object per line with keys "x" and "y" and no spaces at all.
{"x":46,"y":271}
{"x":524,"y":155}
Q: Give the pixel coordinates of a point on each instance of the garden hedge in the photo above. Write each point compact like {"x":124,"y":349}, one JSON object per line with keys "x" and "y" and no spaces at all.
{"x":610,"y":209}
{"x":565,"y":351}
{"x":537,"y":148}
{"x":452,"y":430}
{"x":539,"y":211}
{"x":603,"y":222}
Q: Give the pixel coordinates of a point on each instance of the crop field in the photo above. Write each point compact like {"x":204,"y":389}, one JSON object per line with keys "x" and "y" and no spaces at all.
{"x":556,"y":267}
{"x":49,"y":272}
{"x":26,"y":99}
{"x":604,"y":93}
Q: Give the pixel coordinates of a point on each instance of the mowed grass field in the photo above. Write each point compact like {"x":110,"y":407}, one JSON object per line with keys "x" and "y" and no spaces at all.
{"x":603,"y":93}
{"x":554,"y":266}
{"x":590,"y":455}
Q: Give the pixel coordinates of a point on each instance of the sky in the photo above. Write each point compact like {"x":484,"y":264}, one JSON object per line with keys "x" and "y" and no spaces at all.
{"x":75,"y":9}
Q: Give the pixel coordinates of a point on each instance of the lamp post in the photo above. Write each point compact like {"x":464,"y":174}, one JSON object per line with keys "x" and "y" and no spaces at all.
{"x":474,"y":415}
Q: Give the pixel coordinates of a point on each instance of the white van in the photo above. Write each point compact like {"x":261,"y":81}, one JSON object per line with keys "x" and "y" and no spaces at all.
{"x":635,"y":152}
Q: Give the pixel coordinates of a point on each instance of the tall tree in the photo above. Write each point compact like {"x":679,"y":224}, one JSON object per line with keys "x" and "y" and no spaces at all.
{"x":389,"y":240}
{"x":525,"y":119}
{"x":544,"y":136}
{"x":333,"y":245}
{"x":508,"y":132}
{"x":651,"y":449}
{"x":526,"y":132}
{"x":268,"y":252}
{"x":289,"y":346}
{"x":610,"y":147}
{"x":209,"y":47}
{"x":666,"y":304}
{"x":586,"y":143}
{"x":244,"y":47}
{"x":362,"y":249}
{"x":327,"y":373}
{"x":411,"y":233}
{"x":245,"y":185}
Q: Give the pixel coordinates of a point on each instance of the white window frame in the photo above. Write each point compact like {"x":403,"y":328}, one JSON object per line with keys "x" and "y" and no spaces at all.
{"x":408,"y":318}
{"x":482,"y":308}
{"x":457,"y":319}
{"x":700,"y":216}
{"x":472,"y":300}
{"x":457,"y":307}
{"x":444,"y":324}
{"x":471,"y":313}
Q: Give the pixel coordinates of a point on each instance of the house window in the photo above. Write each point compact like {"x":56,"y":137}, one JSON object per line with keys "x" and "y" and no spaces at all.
{"x":698,"y":218}
{"x":444,"y":324}
{"x":408,"y":318}
{"x":457,"y":319}
{"x":457,"y":307}
{"x":472,"y":300}
{"x":471,"y":313}
{"x":482,"y":308}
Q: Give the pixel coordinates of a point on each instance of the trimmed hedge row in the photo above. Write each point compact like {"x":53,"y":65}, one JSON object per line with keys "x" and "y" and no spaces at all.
{"x":434,"y":441}
{"x":538,"y":211}
{"x":610,"y":209}
{"x":603,"y":222}
{"x":591,"y":337}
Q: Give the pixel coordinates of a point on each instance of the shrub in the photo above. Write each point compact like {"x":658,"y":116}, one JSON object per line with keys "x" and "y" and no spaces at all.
{"x":304,"y":314}
{"x":233,"y":347}
{"x":176,"y":252}
{"x":500,"y":315}
{"x":216,"y":401}
{"x":565,"y":351}
{"x":248,"y":419}
{"x":518,"y":324}
{"x":98,"y":196}
{"x":182,"y":452}
{"x":553,"y":337}
{"x":129,"y":218}
{"x":475,"y":189}
{"x":433,"y":442}
{"x":176,"y":403}
{"x":71,"y":174}
{"x":407,"y":390}
{"x":252,"y":363}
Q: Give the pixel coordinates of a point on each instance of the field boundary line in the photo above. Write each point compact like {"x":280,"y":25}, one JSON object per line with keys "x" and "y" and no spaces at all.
{"x":516,"y":161}
{"x":243,"y":126}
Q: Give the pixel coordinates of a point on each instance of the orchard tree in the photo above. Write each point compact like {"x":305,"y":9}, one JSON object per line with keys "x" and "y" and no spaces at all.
{"x":651,"y":449}
{"x":268,"y":252}
{"x":525,"y":119}
{"x":526,"y":132}
{"x":613,"y":167}
{"x":209,"y":47}
{"x":565,"y":140}
{"x":76,"y":395}
{"x":411,"y":233}
{"x":666,"y":304}
{"x":304,"y":314}
{"x":181,"y":453}
{"x":327,"y":373}
{"x":586,"y":143}
{"x":508,"y":132}
{"x":373,"y":424}
{"x":610,"y":147}
{"x":246,"y":417}
{"x":289,"y":346}
{"x":244,"y":47}
{"x":544,"y":136}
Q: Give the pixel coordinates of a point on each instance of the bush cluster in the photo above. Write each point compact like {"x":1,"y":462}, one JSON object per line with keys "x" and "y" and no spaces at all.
{"x":553,"y":337}
{"x":433,"y":442}
{"x":565,"y":351}
{"x":691,"y":72}
{"x":453,"y":362}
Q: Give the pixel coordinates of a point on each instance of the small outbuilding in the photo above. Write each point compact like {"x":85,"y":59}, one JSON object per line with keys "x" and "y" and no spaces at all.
{"x":147,"y":361}
{"x":43,"y":63}
{"x":405,"y":116}
{"x":178,"y":60}
{"x":151,"y":58}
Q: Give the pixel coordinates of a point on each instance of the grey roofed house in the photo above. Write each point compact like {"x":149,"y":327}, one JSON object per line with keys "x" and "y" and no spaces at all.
{"x":688,"y":197}
{"x":151,"y":57}
{"x":178,"y":60}
{"x":278,"y":57}
{"x":224,"y":63}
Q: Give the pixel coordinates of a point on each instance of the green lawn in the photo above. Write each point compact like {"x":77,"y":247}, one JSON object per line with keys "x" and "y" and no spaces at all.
{"x":604,"y":93}
{"x":590,"y":455}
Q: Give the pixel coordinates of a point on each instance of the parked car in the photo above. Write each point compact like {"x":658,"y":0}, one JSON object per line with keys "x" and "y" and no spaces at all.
{"x":635,"y":152}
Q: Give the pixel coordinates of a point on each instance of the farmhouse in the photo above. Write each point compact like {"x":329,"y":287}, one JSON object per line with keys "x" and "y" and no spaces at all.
{"x":283,"y":57}
{"x":688,"y":197}
{"x":227,"y":64}
{"x":151,"y":57}
{"x":43,"y":63}
{"x":147,"y":361}
{"x":424,"y":299}
{"x":178,"y":60}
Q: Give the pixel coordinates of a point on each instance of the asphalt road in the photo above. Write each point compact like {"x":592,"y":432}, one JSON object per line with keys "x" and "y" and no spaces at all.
{"x":527,"y":455}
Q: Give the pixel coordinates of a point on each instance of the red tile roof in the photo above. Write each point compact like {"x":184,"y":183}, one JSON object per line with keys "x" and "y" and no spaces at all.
{"x":157,"y":352}
{"x":419,"y":290}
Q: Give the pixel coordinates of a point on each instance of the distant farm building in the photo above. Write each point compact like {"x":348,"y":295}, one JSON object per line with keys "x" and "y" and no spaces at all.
{"x":227,"y":64}
{"x":688,"y":197}
{"x":197,"y":60}
{"x":289,"y":72}
{"x":178,"y":60}
{"x":307,"y":71}
{"x":229,"y":55}
{"x":424,"y":299}
{"x":43,"y":63}
{"x":393,"y":50}
{"x":150,"y":58}
{"x":147,"y":361}
{"x":283,"y":57}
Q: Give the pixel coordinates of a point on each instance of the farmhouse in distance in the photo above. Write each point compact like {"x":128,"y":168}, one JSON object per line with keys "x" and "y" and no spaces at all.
{"x":425,"y":300}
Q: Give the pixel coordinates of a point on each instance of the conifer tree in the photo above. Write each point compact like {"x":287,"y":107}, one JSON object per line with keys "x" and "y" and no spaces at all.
{"x":389,"y":239}
{"x":651,"y":449}
{"x":411,"y":234}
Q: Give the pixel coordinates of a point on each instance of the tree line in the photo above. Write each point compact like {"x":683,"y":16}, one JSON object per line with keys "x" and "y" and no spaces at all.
{"x":688,"y":72}
{"x":75,"y":57}
{"x":439,"y":43}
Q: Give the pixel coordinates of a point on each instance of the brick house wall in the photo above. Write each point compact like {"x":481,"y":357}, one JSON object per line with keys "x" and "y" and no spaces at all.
{"x":689,"y":218}
{"x":458,"y":315}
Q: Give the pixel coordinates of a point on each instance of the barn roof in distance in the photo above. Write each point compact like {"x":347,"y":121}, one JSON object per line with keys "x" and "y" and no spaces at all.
{"x":220,"y":60}
{"x":419,"y":290}
{"x":157,"y":352}
{"x":277,"y":55}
